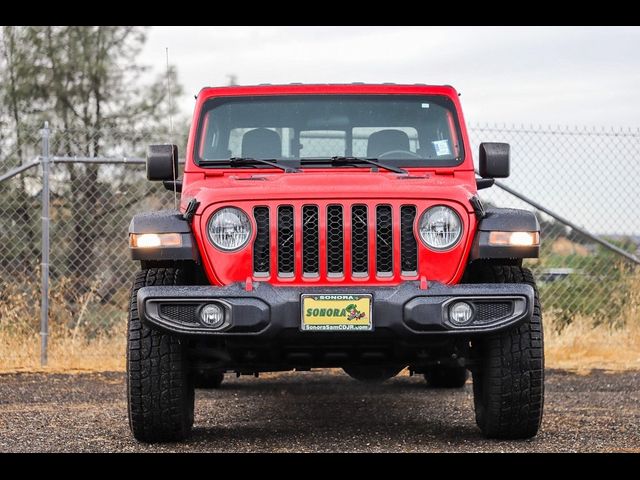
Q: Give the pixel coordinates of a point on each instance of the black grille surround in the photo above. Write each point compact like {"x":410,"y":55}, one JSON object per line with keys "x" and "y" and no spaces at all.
{"x":340,"y":241}
{"x":408,"y":244}
{"x":310,"y":232}
{"x":261,"y":245}
{"x":286,"y":250}
{"x":384,"y":240}
{"x":335,"y":240}
{"x":359,"y":240}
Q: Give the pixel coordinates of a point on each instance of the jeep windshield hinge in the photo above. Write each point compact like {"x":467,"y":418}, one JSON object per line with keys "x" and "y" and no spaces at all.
{"x":192,"y":206}
{"x":478,"y":207}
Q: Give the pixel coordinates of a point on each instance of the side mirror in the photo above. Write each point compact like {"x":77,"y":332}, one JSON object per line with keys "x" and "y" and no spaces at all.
{"x":162,"y":162}
{"x":494,"y":160}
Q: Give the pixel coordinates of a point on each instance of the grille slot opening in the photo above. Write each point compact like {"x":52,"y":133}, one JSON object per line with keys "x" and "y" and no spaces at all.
{"x":335,"y":240}
{"x":310,"y":238}
{"x":408,"y":243}
{"x":261,"y":247}
{"x":286,"y":253}
{"x":359,"y":240}
{"x":384,"y":240}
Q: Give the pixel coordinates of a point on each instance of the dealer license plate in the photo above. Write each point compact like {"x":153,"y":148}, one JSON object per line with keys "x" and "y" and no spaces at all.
{"x":336,"y":312}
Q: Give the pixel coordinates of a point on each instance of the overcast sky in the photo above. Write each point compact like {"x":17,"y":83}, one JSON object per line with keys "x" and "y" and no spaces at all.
{"x":547,"y":75}
{"x":577,"y":76}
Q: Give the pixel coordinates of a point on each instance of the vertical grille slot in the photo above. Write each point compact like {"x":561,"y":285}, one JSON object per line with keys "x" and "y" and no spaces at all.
{"x":310,"y":261}
{"x":261,"y":259}
{"x":285,"y":241}
{"x":335,"y":240}
{"x":384,"y":240}
{"x":359,"y":240}
{"x":408,"y":244}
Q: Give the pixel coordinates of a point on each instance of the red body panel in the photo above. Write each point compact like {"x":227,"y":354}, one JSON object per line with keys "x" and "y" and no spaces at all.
{"x":248,"y":187}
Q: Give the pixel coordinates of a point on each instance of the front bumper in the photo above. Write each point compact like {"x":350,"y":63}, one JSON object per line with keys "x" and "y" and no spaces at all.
{"x":405,"y":311}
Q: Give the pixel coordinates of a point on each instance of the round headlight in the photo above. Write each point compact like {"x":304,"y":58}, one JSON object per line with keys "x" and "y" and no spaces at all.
{"x":229,"y":229}
{"x":440,"y":227}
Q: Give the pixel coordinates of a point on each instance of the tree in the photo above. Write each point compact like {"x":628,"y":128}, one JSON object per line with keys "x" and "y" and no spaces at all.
{"x":86,"y":81}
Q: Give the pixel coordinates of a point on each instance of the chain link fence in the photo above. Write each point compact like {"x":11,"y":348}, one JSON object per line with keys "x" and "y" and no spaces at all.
{"x":588,"y":176}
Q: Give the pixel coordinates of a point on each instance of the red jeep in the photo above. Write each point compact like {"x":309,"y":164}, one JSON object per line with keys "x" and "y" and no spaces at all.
{"x":333,"y":226}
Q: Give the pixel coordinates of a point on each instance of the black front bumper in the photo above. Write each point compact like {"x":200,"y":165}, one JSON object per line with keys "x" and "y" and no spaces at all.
{"x":405,"y":311}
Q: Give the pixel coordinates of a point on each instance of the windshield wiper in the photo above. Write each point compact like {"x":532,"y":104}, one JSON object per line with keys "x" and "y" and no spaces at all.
{"x":240,"y":161}
{"x":341,"y":160}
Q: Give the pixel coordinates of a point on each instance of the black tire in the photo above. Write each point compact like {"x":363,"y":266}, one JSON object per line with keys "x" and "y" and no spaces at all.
{"x":207,"y":379}
{"x":508,"y":386}
{"x":372,"y":373}
{"x":446,"y":377}
{"x":160,"y":390}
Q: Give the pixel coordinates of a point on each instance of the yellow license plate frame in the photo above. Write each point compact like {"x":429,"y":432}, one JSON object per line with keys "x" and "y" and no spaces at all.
{"x":336,"y":312}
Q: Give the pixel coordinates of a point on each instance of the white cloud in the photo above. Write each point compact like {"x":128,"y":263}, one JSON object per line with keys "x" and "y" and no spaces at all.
{"x":575,"y":75}
{"x":583,"y":76}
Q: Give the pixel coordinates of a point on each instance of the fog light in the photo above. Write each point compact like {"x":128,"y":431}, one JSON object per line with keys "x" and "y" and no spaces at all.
{"x":212,"y":315}
{"x":460,"y":313}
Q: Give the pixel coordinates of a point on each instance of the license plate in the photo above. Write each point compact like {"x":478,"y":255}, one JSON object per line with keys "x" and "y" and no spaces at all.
{"x":336,"y":312}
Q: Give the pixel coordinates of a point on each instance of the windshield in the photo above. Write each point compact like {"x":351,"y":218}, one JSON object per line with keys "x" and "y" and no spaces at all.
{"x":401,"y":129}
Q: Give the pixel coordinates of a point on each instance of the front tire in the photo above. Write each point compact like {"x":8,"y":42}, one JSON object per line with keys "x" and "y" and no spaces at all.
{"x":508,"y":385}
{"x":160,"y":391}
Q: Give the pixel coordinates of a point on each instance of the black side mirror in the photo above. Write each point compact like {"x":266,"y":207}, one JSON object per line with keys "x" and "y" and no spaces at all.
{"x":162,"y":162}
{"x":494,"y":160}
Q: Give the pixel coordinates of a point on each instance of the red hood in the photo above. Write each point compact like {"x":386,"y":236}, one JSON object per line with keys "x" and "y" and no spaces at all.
{"x":229,"y":186}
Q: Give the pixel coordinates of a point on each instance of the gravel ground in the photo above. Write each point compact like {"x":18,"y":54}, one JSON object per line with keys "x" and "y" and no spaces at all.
{"x":316,"y":412}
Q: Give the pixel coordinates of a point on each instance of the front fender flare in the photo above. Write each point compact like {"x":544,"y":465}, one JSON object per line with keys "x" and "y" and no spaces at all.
{"x":504,"y":220}
{"x":164,"y":221}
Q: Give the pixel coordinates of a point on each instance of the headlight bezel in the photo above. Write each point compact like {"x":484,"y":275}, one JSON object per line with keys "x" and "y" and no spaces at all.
{"x":448,"y":247}
{"x":249,"y":229}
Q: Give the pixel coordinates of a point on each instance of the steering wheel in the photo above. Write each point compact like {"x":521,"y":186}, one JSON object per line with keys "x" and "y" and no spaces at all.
{"x":398,"y":154}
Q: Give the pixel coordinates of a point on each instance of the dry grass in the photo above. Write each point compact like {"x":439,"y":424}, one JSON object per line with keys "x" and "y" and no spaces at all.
{"x":582,"y":347}
{"x":75,"y":347}
{"x":22,"y":354}
{"x":84,"y":335}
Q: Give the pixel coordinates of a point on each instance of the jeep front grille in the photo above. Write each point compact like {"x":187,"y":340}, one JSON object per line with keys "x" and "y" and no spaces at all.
{"x":335,"y":241}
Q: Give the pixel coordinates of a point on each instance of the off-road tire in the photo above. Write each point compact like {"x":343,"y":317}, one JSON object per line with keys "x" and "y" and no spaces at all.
{"x":508,"y":385}
{"x":446,"y":377}
{"x":372,"y":373}
{"x":207,"y":379}
{"x":160,"y":390}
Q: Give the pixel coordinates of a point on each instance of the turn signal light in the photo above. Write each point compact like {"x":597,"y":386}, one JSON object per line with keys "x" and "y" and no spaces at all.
{"x":514,"y":239}
{"x":154,"y":240}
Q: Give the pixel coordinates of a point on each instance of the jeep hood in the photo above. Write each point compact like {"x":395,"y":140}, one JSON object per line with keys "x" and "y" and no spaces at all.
{"x":336,"y":184}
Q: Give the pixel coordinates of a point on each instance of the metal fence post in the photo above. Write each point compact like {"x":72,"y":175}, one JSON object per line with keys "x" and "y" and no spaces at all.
{"x":44,"y":305}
